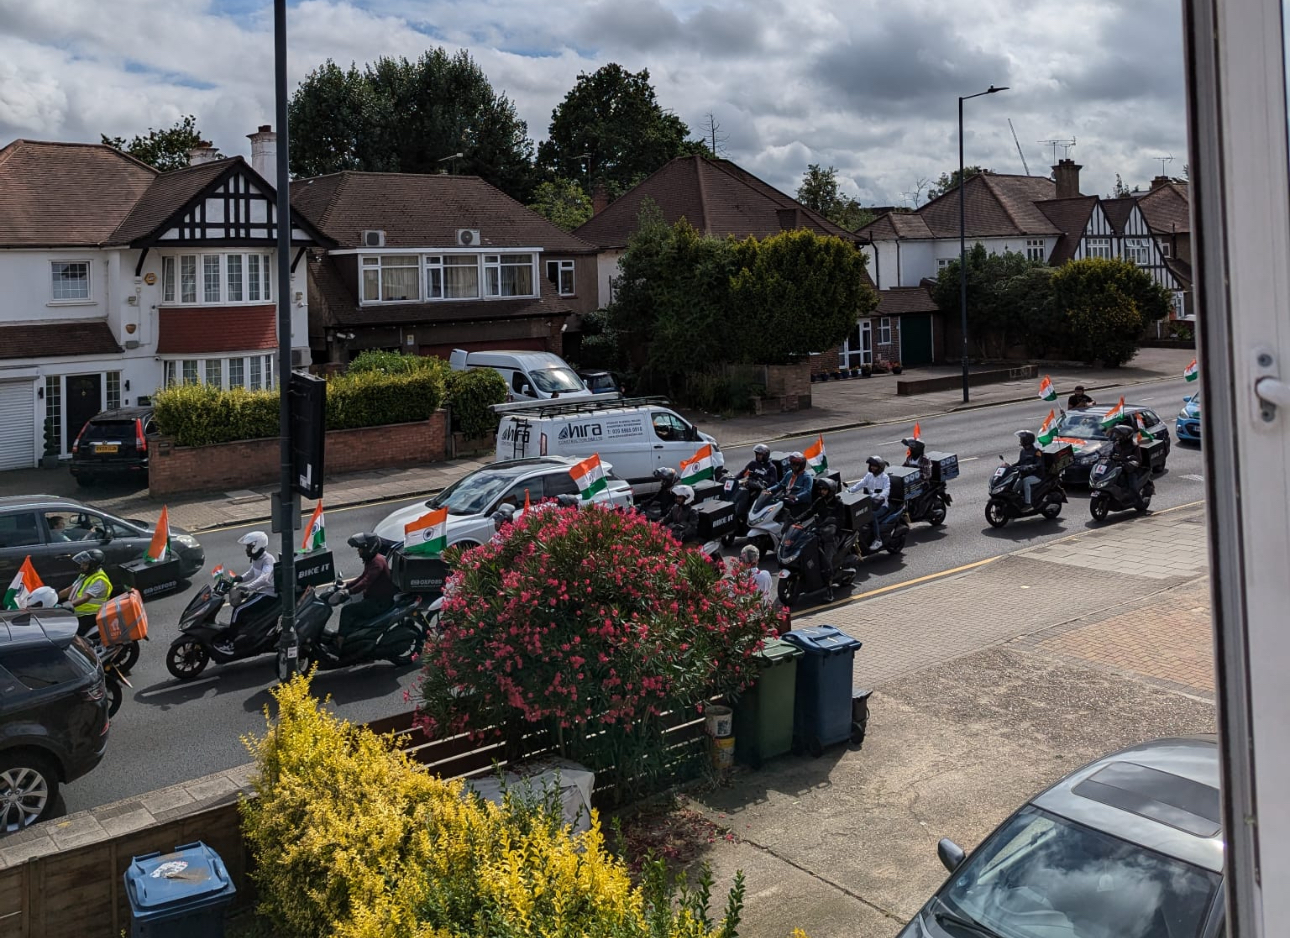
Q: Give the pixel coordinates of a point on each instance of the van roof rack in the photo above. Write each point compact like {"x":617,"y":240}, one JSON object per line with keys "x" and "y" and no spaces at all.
{"x":577,"y":405}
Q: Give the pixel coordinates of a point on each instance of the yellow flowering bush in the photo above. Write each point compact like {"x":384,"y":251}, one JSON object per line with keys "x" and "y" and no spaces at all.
{"x":353,"y":840}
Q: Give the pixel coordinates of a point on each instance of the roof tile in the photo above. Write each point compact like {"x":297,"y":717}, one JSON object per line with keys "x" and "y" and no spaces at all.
{"x":168,"y":193}
{"x":900,"y":300}
{"x":92,"y":337}
{"x":1167,"y":208}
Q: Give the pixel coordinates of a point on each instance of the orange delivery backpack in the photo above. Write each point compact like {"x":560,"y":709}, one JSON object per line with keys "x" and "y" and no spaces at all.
{"x":122,"y":619}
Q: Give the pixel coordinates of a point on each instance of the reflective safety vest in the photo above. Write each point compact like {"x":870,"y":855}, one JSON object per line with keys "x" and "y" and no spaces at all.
{"x":88,"y":605}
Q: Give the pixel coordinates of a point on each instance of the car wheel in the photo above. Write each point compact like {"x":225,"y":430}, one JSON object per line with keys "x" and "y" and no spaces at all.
{"x":28,"y":789}
{"x":187,"y":659}
{"x":996,"y":513}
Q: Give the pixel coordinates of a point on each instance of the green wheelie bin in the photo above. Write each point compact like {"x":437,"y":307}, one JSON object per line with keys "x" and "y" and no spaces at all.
{"x":764,"y":712}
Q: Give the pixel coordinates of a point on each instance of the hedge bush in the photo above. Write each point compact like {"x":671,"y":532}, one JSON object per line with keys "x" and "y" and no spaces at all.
{"x":470,"y":396}
{"x":351,"y":840}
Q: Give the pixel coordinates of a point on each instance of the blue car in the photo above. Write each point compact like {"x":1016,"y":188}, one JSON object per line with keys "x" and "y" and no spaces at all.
{"x":1188,"y":424}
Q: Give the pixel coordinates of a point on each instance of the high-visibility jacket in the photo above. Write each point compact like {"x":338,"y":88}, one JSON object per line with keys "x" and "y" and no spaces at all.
{"x":89,"y":605}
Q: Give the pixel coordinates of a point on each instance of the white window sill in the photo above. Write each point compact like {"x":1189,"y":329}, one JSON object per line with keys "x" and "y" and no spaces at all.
{"x":72,"y":303}
{"x":447,"y":299}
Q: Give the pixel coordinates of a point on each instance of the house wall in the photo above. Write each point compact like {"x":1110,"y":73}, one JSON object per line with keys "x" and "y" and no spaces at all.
{"x":907,"y":263}
{"x":606,"y":270}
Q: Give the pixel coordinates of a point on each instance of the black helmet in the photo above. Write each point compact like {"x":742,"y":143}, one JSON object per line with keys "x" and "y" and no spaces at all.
{"x":89,"y":560}
{"x":367,"y":545}
{"x":569,"y":501}
{"x":502,"y":515}
{"x":876,"y":461}
{"x":761,"y":452}
{"x":1026,"y":438}
{"x":666,"y":475}
{"x":916,"y":447}
{"x":1120,"y":432}
{"x":825,"y":487}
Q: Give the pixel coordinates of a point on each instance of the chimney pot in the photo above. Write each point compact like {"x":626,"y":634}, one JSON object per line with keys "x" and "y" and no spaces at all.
{"x":204,"y":152}
{"x":1160,"y":181}
{"x":1066,"y":175}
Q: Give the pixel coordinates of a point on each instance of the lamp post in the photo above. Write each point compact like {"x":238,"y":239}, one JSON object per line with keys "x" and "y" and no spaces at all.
{"x":451,"y":159}
{"x":963,"y":238}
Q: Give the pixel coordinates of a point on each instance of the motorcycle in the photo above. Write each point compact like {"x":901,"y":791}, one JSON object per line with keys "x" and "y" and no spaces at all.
{"x":1111,"y":482}
{"x":203,"y":637}
{"x":932,"y":505}
{"x":767,"y":519}
{"x":395,"y":635}
{"x":744,"y":493}
{"x":1008,"y":499}
{"x":799,"y":561}
{"x":893,"y":529}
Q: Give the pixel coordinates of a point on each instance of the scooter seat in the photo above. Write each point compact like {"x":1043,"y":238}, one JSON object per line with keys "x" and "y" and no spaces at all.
{"x":405,"y":599}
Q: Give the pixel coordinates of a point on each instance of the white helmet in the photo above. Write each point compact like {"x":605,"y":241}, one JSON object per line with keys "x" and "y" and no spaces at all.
{"x":45,"y":597}
{"x":255,"y":542}
{"x":684,"y":494}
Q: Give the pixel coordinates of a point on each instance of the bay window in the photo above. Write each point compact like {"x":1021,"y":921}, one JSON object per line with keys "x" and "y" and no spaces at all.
{"x":225,"y":278}
{"x":254,"y":372}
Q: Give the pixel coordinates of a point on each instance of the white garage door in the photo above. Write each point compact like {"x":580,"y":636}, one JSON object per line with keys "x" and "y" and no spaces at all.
{"x":17,"y":426}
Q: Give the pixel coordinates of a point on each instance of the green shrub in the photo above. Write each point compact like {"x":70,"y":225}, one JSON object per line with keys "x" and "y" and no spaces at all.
{"x":394,"y":363}
{"x":470,"y":395}
{"x":373,"y":399}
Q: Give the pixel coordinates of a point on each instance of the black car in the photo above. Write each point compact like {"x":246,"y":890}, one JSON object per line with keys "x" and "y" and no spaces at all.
{"x":53,"y":530}
{"x":113,"y":444}
{"x":53,"y":712}
{"x":1082,"y":429}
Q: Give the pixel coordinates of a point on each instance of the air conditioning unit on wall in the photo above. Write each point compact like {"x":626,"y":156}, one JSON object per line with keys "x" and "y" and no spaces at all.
{"x":372,"y":238}
{"x":468,"y":237}
{"x":300,"y":358}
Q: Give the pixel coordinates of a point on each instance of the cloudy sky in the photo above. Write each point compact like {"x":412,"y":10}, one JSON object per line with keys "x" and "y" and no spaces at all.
{"x":869,"y":87}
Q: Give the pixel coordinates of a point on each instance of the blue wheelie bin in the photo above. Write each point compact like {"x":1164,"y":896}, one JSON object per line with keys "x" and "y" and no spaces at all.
{"x":822,"y":701}
{"x":180,"y":893}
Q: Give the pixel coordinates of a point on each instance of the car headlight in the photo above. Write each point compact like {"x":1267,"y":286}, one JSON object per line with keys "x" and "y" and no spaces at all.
{"x":187,"y":540}
{"x":1086,"y":459}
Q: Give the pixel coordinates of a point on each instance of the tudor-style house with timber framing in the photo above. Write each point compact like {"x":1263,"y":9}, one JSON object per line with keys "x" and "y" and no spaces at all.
{"x":120,"y":279}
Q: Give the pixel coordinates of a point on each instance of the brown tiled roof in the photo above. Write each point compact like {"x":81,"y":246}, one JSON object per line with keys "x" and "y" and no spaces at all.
{"x":65,"y":194}
{"x":93,"y":337}
{"x":168,"y":193}
{"x":1167,"y":208}
{"x":424,"y":211}
{"x":715,"y":196}
{"x":893,"y":225}
{"x":1070,"y":217}
{"x":995,"y":206}
{"x":1117,"y":212}
{"x":900,"y":300}
{"x":217,"y":329}
{"x":1181,"y":271}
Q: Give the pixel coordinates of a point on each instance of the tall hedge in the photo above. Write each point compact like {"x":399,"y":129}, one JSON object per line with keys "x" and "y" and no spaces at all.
{"x":470,"y":395}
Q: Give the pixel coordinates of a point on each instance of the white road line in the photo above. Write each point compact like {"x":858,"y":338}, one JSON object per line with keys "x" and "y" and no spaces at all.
{"x":969,"y":458}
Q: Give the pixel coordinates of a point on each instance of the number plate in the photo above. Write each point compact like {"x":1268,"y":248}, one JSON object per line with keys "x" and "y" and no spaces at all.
{"x":106,"y":448}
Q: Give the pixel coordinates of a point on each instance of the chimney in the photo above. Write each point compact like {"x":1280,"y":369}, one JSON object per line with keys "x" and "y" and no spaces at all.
{"x":1160,"y":181}
{"x":264,"y":153}
{"x":599,"y":198}
{"x":203,"y":153}
{"x":1066,"y":175}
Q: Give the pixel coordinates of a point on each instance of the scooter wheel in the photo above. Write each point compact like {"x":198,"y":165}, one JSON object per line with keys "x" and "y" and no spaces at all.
{"x":788,"y":591}
{"x":1051,"y":510}
{"x":1144,"y":506}
{"x":896,"y":543}
{"x":186,"y":659}
{"x":1099,"y":509}
{"x":131,"y":658}
{"x":936,"y":514}
{"x":116,"y":696}
{"x":996,"y":513}
{"x":727,"y":540}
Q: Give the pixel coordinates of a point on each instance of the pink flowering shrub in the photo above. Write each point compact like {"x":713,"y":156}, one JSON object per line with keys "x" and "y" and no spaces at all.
{"x":594,"y":624}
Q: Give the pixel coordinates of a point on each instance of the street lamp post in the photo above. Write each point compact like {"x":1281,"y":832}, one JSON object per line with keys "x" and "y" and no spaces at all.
{"x":963,"y":238}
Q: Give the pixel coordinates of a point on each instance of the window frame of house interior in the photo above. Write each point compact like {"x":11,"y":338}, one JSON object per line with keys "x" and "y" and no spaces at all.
{"x":174,"y":261}
{"x":172,"y":369}
{"x":559,"y":277}
{"x":87,"y":299}
{"x":423,"y":256}
{"x":1036,"y":249}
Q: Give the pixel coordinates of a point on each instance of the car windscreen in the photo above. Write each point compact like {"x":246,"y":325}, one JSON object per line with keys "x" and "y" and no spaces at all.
{"x":1082,"y":426}
{"x":473,"y":493}
{"x":551,"y":380}
{"x":1041,"y":875}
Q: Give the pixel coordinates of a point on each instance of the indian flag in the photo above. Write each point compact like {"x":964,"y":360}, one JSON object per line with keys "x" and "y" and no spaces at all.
{"x":159,"y":547}
{"x":1114,"y":415}
{"x":816,"y":458}
{"x":1048,"y":432}
{"x":589,"y":477}
{"x":1046,"y":390}
{"x":316,"y":531}
{"x":428,"y":535}
{"x":1192,"y":371}
{"x":24,"y":584}
{"x":217,"y":571}
{"x":699,"y":466}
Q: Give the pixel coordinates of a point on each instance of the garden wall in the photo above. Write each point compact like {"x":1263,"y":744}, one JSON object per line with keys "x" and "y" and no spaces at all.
{"x":227,"y":466}
{"x":950,"y":382}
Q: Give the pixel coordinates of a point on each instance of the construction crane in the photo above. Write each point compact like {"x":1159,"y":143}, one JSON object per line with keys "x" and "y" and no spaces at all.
{"x":1018,"y":143}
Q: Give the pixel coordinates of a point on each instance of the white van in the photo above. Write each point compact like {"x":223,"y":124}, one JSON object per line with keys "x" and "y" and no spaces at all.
{"x":637,"y":435}
{"x":530,"y":376}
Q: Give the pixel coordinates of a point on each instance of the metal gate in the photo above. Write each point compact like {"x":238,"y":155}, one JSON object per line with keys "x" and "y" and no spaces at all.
{"x":17,"y":425}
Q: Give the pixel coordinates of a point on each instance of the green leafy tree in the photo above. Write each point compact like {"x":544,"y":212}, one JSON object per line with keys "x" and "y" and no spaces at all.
{"x":1006,"y":296}
{"x":1085,"y":289}
{"x":562,"y":202}
{"x":164,"y":149}
{"x":948,"y":182}
{"x":819,"y":191}
{"x":407,"y":116}
{"x":613,"y":115}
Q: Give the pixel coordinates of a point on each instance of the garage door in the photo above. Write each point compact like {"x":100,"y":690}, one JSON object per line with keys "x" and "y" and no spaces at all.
{"x":916,"y":339}
{"x":17,"y":426}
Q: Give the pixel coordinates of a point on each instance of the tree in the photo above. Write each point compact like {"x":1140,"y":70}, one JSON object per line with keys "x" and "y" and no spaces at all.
{"x":402,"y":116}
{"x":1120,"y":191}
{"x":1006,"y":296}
{"x":562,"y":202}
{"x":950,"y":181}
{"x":614,"y":115}
{"x":1106,"y":304}
{"x":164,"y":149}
{"x":819,"y":191}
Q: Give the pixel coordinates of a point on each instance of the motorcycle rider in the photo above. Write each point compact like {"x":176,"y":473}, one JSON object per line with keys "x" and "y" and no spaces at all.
{"x":89,"y":591}
{"x":374,"y":583}
{"x":503,"y":517}
{"x":796,"y":485}
{"x":761,"y":467}
{"x":256,"y":586}
{"x":828,"y":510}
{"x":683,"y":520}
{"x":915,"y":458}
{"x":1030,"y":461}
{"x":1124,"y":450}
{"x":662,"y":501}
{"x":877,"y":485}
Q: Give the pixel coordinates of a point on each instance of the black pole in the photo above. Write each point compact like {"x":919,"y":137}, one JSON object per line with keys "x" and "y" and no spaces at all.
{"x":963,"y":259}
{"x":286,"y":497}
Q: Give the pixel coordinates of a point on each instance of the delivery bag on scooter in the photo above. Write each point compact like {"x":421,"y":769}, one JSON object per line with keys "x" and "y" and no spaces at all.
{"x":122,"y":619}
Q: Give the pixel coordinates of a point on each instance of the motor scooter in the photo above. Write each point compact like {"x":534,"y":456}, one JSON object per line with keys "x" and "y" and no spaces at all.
{"x":799,"y":558}
{"x":1111,"y":482}
{"x":205,"y":637}
{"x":744,"y":493}
{"x":931,"y":504}
{"x":1008,"y":497}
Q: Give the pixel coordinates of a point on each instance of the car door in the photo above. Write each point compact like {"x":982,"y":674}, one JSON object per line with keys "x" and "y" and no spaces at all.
{"x":120,"y":542}
{"x":1154,"y":425}
{"x":557,"y":483}
{"x":673,"y":439}
{"x":21,"y":535}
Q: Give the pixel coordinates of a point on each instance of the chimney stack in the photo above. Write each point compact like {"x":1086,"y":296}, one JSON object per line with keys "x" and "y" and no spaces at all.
{"x":264,"y":153}
{"x":1066,"y":175}
{"x":599,"y":198}
{"x":1160,"y":181}
{"x":202,"y":153}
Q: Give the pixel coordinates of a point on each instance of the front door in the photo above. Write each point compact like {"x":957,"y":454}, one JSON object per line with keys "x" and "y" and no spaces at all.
{"x":858,"y":348}
{"x":915,"y":339}
{"x":84,"y":400}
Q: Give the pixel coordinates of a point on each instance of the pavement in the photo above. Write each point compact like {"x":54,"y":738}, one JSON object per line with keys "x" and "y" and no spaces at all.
{"x":837,"y":405}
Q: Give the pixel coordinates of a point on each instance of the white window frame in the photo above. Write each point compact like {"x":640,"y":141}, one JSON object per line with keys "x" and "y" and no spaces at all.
{"x":884,"y":330}
{"x":172,"y":279}
{"x":377,"y":264}
{"x":1036,"y":249}
{"x":433,"y":266}
{"x":173,"y":370}
{"x":943,"y":262}
{"x":561,"y":270}
{"x":1098,"y":247}
{"x":1137,"y":251}
{"x":55,"y":299}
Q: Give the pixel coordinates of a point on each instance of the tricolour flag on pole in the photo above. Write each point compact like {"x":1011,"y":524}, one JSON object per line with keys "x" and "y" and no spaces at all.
{"x":816,"y":457}
{"x":698,"y":467}
{"x":25,"y":582}
{"x":1192,"y":371}
{"x":159,"y":547}
{"x":428,"y":535}
{"x":526,"y":500}
{"x":315,"y":531}
{"x":1049,"y":430}
{"x":589,"y":477}
{"x":1046,"y":390}
{"x":217,"y":570}
{"x":1114,"y":415}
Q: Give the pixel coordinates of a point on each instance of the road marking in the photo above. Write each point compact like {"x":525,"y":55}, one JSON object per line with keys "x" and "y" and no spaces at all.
{"x":902,"y":584}
{"x":969,"y":458}
{"x":1194,"y":478}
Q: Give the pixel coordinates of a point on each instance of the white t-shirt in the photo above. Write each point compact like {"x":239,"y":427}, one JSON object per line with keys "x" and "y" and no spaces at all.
{"x":764,"y":583}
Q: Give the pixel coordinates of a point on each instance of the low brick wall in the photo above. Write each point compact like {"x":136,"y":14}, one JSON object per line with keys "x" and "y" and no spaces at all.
{"x":950,"y":382}
{"x":790,"y":383}
{"x":227,"y":466}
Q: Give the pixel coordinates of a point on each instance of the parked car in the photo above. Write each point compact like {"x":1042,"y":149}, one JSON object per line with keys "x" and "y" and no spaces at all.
{"x":1131,"y":844}
{"x":601,"y":382}
{"x":113,"y":445}
{"x":53,"y":713}
{"x":1187,"y":426}
{"x":530,"y":376}
{"x":474,"y":497}
{"x":53,"y":530}
{"x":1082,"y":429}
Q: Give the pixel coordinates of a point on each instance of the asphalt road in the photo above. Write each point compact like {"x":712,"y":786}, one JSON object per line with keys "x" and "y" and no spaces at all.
{"x":168,"y":731}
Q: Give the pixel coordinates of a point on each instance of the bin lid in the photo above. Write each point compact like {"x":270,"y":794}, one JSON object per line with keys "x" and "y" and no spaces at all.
{"x":822,"y":640}
{"x":778,"y":651}
{"x":191,"y":872}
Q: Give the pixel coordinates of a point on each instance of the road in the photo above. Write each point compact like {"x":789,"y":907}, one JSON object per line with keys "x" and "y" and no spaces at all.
{"x":168,"y":732}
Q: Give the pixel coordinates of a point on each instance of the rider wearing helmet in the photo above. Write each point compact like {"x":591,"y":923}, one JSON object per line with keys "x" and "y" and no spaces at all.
{"x":828,"y":509}
{"x":44,"y":597}
{"x":90,"y":591}
{"x":796,"y":483}
{"x":761,"y":467}
{"x":1030,"y":461}
{"x":915,"y":457}
{"x":683,"y":520}
{"x":374,"y":583}
{"x":1124,"y":450}
{"x":877,"y":485}
{"x":662,"y":501}
{"x":256,"y":586}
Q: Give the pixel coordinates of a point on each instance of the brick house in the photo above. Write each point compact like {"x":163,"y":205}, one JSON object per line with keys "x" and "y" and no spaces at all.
{"x":428,"y":263}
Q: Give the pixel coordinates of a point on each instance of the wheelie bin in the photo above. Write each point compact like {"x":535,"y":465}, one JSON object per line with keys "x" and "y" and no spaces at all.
{"x":764,"y":712}
{"x":822,"y":701}
{"x":181,"y":893}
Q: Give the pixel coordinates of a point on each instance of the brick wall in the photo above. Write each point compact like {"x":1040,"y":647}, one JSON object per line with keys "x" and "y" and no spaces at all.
{"x":826,"y":362}
{"x":790,"y":383}
{"x":230,"y":466}
{"x":887,"y":351}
